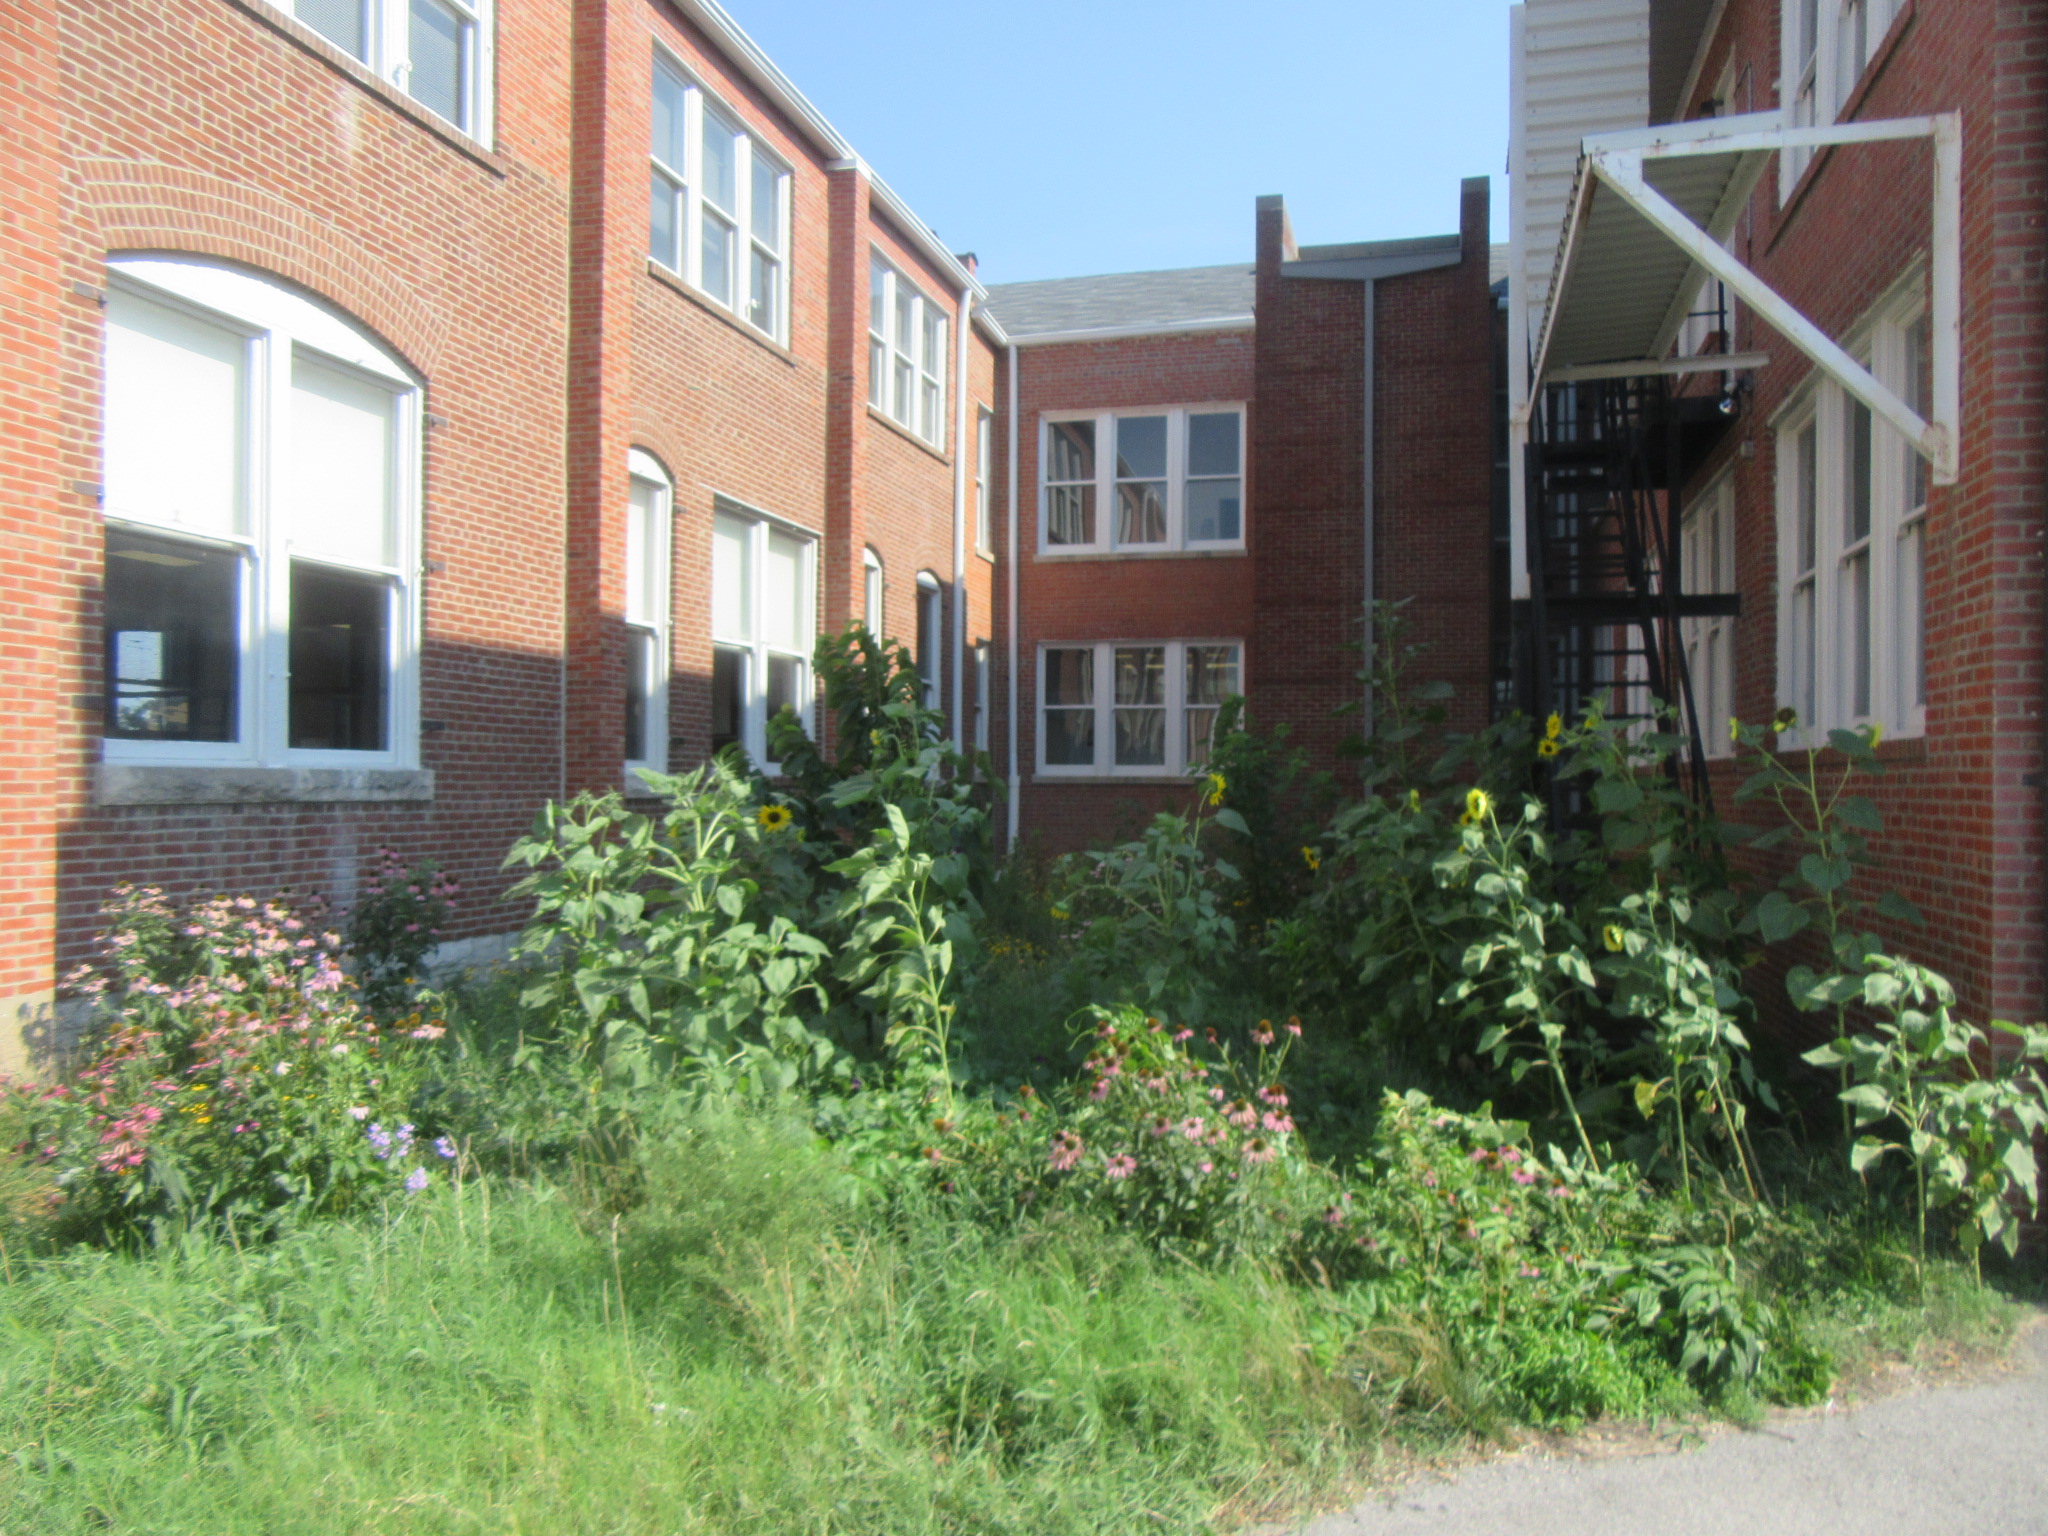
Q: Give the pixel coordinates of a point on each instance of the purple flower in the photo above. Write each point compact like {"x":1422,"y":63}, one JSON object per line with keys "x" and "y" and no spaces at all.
{"x":444,"y":1146}
{"x":416,"y":1180}
{"x":380,"y":1139}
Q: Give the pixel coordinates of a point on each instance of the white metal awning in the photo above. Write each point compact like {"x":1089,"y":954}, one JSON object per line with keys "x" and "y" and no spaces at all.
{"x":1649,"y":211}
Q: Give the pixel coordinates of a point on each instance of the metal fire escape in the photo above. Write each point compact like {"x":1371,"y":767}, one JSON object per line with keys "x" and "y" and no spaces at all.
{"x":1605,"y":464}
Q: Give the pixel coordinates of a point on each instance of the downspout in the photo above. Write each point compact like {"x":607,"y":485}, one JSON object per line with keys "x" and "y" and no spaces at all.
{"x":1010,"y":563}
{"x":960,"y":519}
{"x":1370,"y":467}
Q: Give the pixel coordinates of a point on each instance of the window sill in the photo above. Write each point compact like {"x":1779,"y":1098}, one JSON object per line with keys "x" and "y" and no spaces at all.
{"x":1056,"y":557}
{"x":1168,"y":780}
{"x":719,"y":312}
{"x":304,"y":38}
{"x":907,"y":435}
{"x":171,"y":784}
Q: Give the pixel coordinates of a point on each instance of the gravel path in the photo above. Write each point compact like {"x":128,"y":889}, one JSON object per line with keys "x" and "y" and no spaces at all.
{"x":1971,"y":1459}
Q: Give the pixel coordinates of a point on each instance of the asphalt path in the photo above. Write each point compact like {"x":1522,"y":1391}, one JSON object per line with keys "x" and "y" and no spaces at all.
{"x":1969,"y":1459}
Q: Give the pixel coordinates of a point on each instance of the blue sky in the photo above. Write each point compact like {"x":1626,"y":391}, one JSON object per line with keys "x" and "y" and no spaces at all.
{"x":1060,"y":137}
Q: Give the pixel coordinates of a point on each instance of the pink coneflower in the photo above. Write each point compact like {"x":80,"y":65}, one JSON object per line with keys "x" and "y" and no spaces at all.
{"x":1208,"y":1167}
{"x":1241,"y":1113}
{"x":1279,"y":1125}
{"x":1100,"y":1091}
{"x":1294,"y":1027}
{"x":1193,"y":1126}
{"x":1182,"y":1034}
{"x":1334,"y":1215}
{"x":1260,"y":1150}
{"x":1275,"y":1096}
{"x":1523,"y":1176}
{"x":1121,"y":1166}
{"x":1066,"y":1151}
{"x":1263,"y":1035}
{"x":1160,"y":1127}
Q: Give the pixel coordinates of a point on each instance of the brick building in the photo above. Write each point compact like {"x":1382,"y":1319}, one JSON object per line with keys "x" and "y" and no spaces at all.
{"x":414,"y":410}
{"x":1793,"y":250}
{"x":1205,"y":508}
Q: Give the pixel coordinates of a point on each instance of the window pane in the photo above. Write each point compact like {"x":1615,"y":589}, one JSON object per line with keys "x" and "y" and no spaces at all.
{"x":931,"y":624}
{"x":785,"y":684}
{"x":173,"y":639}
{"x":732,"y":597}
{"x":663,"y":219}
{"x":1856,"y":632}
{"x":338,"y":659}
{"x":1070,"y":677}
{"x":761,"y":284}
{"x":872,"y":609}
{"x":900,"y":405}
{"x":1214,"y":511}
{"x":878,"y":373}
{"x":667,"y":120}
{"x":1140,"y":681}
{"x":1912,"y":615}
{"x":1803,"y":669}
{"x":338,"y":499}
{"x":981,"y":691}
{"x":1212,"y":443}
{"x":639,"y":691}
{"x":1070,"y":707}
{"x":717,"y":257}
{"x":1070,"y":514}
{"x":783,"y":593}
{"x":1070,"y":738}
{"x":175,"y":450}
{"x":1806,"y":497}
{"x":928,"y":414}
{"x":721,"y":163}
{"x":1212,"y":673}
{"x":1141,"y":447}
{"x":1856,"y":472}
{"x":643,"y":554}
{"x":878,"y":299}
{"x":1070,"y":451}
{"x":438,"y":44}
{"x":1141,"y":512}
{"x":341,"y":22}
{"x":906,"y":329}
{"x":1919,"y":392}
{"x":767,"y":210}
{"x":728,"y":695}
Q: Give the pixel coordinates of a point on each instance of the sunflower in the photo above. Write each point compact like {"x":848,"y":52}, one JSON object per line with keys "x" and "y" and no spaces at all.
{"x":1312,"y":859}
{"x":774,"y":818}
{"x":1613,"y":938}
{"x":1414,"y":799}
{"x":1548,"y":746}
{"x":1553,"y":727}
{"x":1217,"y":784}
{"x":1478,"y":805}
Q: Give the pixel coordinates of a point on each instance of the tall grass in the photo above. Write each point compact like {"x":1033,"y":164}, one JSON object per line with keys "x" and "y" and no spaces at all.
{"x":742,"y":1351}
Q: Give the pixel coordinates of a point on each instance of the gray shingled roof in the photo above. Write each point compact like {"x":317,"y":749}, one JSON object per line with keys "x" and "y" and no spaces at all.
{"x":1122,"y":299}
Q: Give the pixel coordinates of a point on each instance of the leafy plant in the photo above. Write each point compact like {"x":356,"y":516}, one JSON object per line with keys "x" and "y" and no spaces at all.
{"x":397,"y":924}
{"x":1963,"y":1117}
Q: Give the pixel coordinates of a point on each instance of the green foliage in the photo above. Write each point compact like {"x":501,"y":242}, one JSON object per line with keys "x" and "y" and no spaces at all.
{"x":396,"y":924}
{"x":1277,"y":806}
{"x":1964,"y":1117}
{"x":234,"y":1076}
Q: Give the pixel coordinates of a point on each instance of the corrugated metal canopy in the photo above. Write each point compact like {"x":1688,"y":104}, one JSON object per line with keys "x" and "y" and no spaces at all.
{"x":1621,"y":288}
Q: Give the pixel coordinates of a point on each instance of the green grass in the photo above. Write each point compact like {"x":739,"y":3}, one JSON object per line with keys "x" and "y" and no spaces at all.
{"x":742,"y":1353}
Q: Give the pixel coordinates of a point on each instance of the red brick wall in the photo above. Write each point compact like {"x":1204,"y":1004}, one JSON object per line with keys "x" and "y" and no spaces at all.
{"x":1963,"y":806}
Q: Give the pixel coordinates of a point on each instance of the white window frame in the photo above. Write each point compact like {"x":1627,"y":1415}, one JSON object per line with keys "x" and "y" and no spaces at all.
{"x":388,"y":54}
{"x":930,"y":638}
{"x":754,"y":704}
{"x":984,"y":464}
{"x":683,"y":186}
{"x":277,"y":323}
{"x":907,"y":362}
{"x":1895,"y":701}
{"x":1177,"y":478}
{"x":874,"y":593}
{"x":1176,"y":706}
{"x":1814,"y":86}
{"x":1707,"y":565}
{"x":644,"y":471}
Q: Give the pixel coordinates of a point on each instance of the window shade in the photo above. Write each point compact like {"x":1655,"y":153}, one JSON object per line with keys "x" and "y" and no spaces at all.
{"x":731,"y":605}
{"x":175,"y":440}
{"x":339,"y":500}
{"x":782,"y":593}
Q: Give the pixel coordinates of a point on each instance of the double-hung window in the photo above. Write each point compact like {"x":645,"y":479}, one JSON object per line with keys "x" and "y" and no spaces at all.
{"x":1134,"y":708}
{"x":1826,"y":46}
{"x":719,"y":213}
{"x":982,"y":676}
{"x":1852,"y":498}
{"x":436,"y":51}
{"x":931,"y":636}
{"x":262,"y":471}
{"x":984,"y":526}
{"x":762,"y":584}
{"x":1170,"y":479}
{"x":647,"y":615}
{"x":1707,"y":555}
{"x":906,"y":353}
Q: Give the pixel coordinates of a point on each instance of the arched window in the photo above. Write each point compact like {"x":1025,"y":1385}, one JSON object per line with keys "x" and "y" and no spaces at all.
{"x":647,"y":614}
{"x":261,"y":493}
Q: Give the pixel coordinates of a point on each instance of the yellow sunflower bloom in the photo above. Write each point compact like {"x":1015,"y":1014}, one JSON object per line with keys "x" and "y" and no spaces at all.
{"x":1547,"y":747}
{"x":1217,"y":784}
{"x":1613,"y":938}
{"x":1478,"y":805}
{"x":1312,"y":859}
{"x":774,"y":818}
{"x":1553,"y":727}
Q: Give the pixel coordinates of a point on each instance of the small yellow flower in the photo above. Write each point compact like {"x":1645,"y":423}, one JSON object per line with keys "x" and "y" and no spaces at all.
{"x":774,"y":818}
{"x":1414,"y":799}
{"x":1548,"y":747}
{"x":1734,"y":728}
{"x":1553,"y":727}
{"x":1478,"y":804}
{"x":1876,"y":733}
{"x":1312,"y":859}
{"x":1613,"y":938}
{"x":1217,"y":784}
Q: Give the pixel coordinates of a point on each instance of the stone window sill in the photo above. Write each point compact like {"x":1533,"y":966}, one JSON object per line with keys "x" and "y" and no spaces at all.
{"x":166,"y":784}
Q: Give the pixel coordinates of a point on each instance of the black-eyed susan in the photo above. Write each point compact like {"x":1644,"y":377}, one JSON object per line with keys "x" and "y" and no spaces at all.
{"x":1614,"y":938}
{"x":1312,"y":859}
{"x":773,"y":818}
{"x":1478,"y":805}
